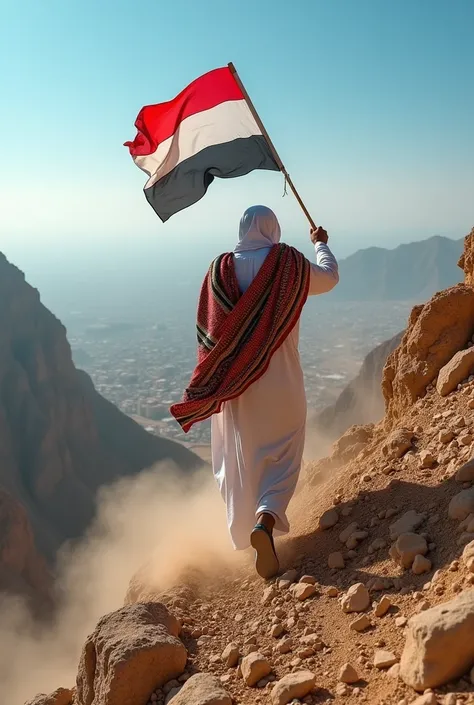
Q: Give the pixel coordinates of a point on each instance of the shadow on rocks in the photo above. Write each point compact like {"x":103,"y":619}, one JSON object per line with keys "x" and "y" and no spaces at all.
{"x":309,"y":553}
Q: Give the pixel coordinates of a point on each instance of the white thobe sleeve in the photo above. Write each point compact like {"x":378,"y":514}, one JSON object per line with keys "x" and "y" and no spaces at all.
{"x":325,"y":273}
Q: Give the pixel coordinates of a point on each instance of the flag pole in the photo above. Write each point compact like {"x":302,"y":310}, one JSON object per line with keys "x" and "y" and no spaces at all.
{"x":276,"y":156}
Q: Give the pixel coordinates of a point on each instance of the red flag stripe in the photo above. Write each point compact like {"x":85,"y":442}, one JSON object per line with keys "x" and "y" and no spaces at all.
{"x":156,"y":123}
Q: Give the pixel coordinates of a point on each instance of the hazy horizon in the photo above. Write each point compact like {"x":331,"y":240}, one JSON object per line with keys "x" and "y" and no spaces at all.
{"x":368,"y":103}
{"x":102,"y":276}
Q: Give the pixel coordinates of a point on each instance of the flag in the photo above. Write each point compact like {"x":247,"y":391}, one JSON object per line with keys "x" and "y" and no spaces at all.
{"x":208,"y":130}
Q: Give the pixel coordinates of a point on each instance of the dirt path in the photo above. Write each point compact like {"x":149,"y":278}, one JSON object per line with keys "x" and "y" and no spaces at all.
{"x":316,"y":634}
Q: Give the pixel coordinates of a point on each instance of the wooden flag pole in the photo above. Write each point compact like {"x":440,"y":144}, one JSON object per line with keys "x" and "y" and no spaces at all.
{"x":276,"y":156}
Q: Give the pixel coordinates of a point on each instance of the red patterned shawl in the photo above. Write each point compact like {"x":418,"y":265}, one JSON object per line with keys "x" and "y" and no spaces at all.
{"x":238,"y":333}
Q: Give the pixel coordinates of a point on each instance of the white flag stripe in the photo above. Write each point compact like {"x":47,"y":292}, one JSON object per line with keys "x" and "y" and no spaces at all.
{"x":223,"y":123}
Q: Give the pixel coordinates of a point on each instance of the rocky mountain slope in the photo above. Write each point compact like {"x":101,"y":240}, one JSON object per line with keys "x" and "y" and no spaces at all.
{"x":411,"y":272}
{"x":361,"y":402}
{"x":23,"y":571}
{"x":375,"y":603}
{"x":59,"y":439}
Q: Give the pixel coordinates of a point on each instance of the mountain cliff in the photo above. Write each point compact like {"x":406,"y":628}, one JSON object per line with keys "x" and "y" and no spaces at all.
{"x":59,"y":439}
{"x":409,"y":272}
{"x":361,"y":402}
{"x":413,"y":271}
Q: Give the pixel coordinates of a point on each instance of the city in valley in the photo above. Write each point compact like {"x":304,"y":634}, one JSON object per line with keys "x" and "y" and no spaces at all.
{"x":143,"y":365}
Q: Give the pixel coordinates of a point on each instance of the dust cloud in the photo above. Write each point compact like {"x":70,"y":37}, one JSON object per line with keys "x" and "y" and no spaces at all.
{"x":317,"y":444}
{"x":170,"y":522}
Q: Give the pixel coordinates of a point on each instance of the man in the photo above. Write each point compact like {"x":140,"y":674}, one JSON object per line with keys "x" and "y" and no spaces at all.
{"x":249,"y":376}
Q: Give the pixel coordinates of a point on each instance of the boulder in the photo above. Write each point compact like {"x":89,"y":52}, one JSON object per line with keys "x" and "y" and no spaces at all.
{"x":453,"y":373}
{"x":202,"y":689}
{"x":269,"y":594}
{"x":328,"y":519}
{"x":348,"y":531}
{"x":466,"y":471}
{"x":446,"y":435}
{"x":466,"y":261}
{"x":302,"y":591}
{"x":462,"y":504}
{"x":309,"y":579}
{"x":254,"y":667}
{"x":360,"y":624}
{"x":131,"y":652}
{"x":439,"y":645}
{"x":426,"y":699}
{"x":61,"y":696}
{"x":293,"y":686}
{"x":356,"y":599}
{"x":465,"y":538}
{"x":407,"y":523}
{"x":384,"y":659}
{"x":421,"y":565}
{"x":230,"y":655}
{"x":312,"y":640}
{"x":436,"y":331}
{"x":285,"y":580}
{"x":354,"y":539}
{"x":398,"y":443}
{"x":348,"y":674}
{"x":427,"y":459}
{"x":468,"y":556}
{"x":463,"y":526}
{"x":382,"y":607}
{"x":285,"y":645}
{"x":394,"y":671}
{"x":407,"y":547}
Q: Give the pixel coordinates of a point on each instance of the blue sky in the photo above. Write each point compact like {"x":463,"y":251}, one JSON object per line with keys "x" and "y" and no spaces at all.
{"x":369,"y":102}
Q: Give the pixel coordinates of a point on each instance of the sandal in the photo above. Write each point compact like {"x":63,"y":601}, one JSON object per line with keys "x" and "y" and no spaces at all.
{"x":266,"y":561}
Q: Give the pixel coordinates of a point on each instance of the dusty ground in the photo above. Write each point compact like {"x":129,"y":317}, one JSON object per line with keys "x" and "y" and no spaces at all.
{"x":228,"y":607}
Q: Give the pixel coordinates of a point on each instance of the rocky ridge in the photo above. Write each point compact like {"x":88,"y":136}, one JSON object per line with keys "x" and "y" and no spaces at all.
{"x":22,"y":569}
{"x":59,"y":439}
{"x":376,"y":600}
{"x":361,"y":402}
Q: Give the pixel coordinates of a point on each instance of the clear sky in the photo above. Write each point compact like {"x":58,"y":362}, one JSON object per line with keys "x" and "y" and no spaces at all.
{"x":369,"y":102}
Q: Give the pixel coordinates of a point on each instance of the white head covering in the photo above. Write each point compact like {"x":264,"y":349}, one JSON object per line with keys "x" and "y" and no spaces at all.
{"x":259,"y":227}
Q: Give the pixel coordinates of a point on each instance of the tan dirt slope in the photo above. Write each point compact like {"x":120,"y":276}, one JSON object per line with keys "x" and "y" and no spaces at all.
{"x":383,"y":533}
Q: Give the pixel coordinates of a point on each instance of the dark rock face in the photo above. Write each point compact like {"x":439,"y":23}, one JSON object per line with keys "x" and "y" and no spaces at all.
{"x":22,"y":569}
{"x":59,"y":439}
{"x":361,"y":402}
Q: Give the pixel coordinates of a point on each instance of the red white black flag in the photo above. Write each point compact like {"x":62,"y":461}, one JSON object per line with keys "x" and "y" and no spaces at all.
{"x":208,"y":130}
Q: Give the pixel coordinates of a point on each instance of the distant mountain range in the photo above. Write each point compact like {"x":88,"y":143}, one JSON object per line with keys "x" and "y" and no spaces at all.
{"x":409,"y":272}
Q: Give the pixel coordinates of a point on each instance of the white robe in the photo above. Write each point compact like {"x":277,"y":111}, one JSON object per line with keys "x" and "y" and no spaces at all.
{"x":257,"y":440}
